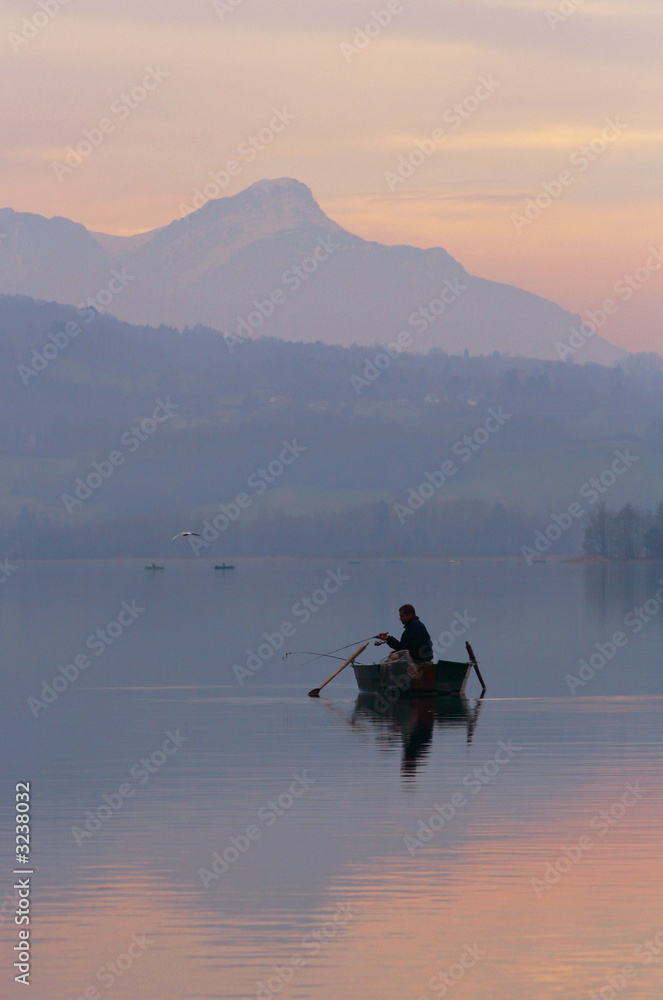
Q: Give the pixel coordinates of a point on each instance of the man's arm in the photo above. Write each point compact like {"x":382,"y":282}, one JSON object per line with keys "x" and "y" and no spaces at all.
{"x":390,"y":641}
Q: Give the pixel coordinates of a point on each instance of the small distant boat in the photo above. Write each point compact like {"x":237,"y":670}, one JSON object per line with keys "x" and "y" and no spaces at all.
{"x":224,"y":566}
{"x":353,"y":562}
{"x":395,"y":560}
{"x":154,"y":566}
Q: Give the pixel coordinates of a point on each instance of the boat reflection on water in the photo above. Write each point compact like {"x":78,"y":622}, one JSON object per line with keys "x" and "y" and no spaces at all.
{"x":411,"y":722}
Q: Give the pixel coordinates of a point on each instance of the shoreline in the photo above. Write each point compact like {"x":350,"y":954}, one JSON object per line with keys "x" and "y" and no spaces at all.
{"x":345,"y":560}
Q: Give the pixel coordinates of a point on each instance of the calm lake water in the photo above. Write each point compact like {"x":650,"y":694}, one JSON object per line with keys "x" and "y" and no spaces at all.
{"x":273,"y":845}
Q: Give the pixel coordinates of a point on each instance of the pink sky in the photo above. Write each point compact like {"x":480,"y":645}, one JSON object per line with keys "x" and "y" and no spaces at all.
{"x":536,"y":89}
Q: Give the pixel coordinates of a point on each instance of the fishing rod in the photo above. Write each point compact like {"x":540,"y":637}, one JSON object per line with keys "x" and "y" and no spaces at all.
{"x":317,"y":656}
{"x":330,"y":654}
{"x":309,"y":652}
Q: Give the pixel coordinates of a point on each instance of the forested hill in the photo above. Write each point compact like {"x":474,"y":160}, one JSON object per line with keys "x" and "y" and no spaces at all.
{"x":367,"y":425}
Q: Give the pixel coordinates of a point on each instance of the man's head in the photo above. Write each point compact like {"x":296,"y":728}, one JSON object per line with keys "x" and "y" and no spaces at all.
{"x":405,"y":612}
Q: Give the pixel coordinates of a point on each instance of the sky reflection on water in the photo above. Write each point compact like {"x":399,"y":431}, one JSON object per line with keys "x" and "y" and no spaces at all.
{"x":336,"y":856}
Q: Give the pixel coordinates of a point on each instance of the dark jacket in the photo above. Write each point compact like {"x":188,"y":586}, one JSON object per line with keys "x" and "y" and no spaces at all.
{"x":415,"y":639}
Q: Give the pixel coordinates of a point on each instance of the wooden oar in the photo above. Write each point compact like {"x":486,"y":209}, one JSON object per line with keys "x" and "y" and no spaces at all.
{"x":473,"y":659}
{"x":315,"y":693}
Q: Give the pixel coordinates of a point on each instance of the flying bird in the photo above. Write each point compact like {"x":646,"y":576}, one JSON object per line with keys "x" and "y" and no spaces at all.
{"x":185,"y":534}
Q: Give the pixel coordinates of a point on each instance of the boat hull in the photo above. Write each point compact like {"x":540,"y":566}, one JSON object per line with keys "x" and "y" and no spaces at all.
{"x":443,"y":677}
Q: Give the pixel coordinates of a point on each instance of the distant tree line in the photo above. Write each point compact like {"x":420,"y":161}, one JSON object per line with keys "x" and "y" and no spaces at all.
{"x":453,"y":528}
{"x":629,"y":533}
{"x":363,"y":451}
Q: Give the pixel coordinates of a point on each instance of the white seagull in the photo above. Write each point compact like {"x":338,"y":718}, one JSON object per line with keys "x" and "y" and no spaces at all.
{"x":185,"y":534}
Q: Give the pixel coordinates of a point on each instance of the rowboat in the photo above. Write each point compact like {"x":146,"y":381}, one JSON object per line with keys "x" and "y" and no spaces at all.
{"x":154,"y":566}
{"x":399,"y":676}
{"x":402,"y":677}
{"x":443,"y":677}
{"x":224,"y":566}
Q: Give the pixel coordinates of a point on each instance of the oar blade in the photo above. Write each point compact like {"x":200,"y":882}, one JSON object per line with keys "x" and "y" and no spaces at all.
{"x":315,"y":693}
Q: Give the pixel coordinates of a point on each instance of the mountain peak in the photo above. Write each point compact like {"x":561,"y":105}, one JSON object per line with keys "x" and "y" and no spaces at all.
{"x":282,"y":203}
{"x":280,"y":186}
{"x":222,"y":261}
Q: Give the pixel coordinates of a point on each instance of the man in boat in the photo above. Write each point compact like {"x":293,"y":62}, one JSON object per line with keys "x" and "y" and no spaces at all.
{"x":415,"y":638}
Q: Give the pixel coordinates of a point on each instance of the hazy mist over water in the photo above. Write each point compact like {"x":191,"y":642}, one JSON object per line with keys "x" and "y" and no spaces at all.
{"x":532,"y":624}
{"x":336,"y":854}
